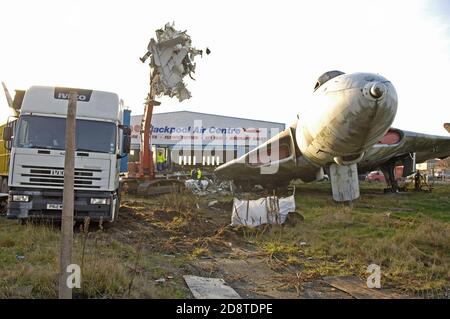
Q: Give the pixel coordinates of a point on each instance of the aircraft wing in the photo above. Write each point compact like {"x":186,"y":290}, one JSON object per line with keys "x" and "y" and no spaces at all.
{"x":427,"y":146}
{"x":270,"y":163}
{"x":278,"y":161}
{"x":424,"y":147}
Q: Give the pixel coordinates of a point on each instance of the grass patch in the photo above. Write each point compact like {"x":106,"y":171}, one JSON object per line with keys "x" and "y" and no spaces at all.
{"x":408,"y":235}
{"x":29,"y":259}
{"x":156,"y":241}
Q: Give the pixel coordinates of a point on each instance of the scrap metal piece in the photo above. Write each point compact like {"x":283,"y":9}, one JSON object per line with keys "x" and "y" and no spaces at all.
{"x":16,"y":103}
{"x":358,"y":289}
{"x":172,"y":58}
{"x":7,"y":95}
{"x":210,"y":288}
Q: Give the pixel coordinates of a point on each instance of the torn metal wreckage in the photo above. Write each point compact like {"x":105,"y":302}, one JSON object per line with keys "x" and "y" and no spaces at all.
{"x":171,"y":59}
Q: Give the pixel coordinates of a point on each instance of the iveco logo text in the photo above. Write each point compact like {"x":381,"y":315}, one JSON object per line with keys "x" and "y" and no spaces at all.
{"x":65,"y":96}
{"x":57,"y":172}
{"x":64,"y":93}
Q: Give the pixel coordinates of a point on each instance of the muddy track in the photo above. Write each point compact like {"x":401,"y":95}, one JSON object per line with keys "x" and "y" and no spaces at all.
{"x":227,"y":254}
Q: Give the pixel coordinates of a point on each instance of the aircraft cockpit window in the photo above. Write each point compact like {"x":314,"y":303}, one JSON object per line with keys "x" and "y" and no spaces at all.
{"x":326,"y":77}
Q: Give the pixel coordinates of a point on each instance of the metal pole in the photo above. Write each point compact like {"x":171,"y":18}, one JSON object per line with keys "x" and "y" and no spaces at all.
{"x":68,"y":200}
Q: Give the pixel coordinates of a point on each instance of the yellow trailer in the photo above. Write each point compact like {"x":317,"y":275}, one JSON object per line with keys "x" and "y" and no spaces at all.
{"x":4,"y":163}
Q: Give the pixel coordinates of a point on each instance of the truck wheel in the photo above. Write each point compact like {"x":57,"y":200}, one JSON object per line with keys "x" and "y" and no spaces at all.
{"x":3,"y":204}
{"x":117,"y":205}
{"x":4,"y":185}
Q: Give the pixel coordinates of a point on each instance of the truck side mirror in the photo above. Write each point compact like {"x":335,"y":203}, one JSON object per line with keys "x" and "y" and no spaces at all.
{"x":126,"y":140}
{"x":7,"y":133}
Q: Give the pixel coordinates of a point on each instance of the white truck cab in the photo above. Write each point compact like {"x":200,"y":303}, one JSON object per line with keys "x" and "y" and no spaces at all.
{"x":36,"y":171}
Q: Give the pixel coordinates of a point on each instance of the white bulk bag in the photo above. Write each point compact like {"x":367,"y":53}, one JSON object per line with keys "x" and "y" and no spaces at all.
{"x":268,"y":210}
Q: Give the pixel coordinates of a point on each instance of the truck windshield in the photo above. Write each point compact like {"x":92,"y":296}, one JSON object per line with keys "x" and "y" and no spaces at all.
{"x":50,"y":133}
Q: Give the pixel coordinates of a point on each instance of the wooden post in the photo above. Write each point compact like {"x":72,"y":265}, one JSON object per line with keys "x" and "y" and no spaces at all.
{"x":68,"y":199}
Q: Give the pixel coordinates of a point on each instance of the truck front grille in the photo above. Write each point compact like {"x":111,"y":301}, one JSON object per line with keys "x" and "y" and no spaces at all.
{"x":54,"y":177}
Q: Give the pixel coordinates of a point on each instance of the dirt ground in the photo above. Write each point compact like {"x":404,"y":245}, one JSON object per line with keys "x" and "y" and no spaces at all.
{"x":217,"y":249}
{"x":257,"y":263}
{"x":158,"y":240}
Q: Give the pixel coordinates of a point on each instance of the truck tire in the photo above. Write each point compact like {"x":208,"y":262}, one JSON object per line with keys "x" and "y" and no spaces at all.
{"x":117,"y":206}
{"x":3,"y":202}
{"x":4,"y":185}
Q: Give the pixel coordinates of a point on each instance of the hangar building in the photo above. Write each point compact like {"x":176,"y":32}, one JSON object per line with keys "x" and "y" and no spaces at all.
{"x":190,"y":138}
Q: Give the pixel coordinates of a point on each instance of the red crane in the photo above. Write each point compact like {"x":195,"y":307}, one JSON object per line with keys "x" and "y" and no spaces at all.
{"x":146,"y":167}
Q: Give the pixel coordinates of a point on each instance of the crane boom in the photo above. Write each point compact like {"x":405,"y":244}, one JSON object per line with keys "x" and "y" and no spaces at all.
{"x":147,"y":169}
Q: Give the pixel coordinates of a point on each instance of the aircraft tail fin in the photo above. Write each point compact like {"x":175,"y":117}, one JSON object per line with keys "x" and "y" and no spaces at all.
{"x":447,"y":127}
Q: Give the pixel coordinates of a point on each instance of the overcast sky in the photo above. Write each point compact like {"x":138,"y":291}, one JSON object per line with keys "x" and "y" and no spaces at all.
{"x":266,"y":55}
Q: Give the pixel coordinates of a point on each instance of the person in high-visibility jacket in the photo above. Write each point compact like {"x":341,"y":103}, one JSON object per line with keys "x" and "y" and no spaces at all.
{"x":199,"y":174}
{"x":199,"y":177}
{"x":160,"y":161}
{"x":193,"y":174}
{"x":196,"y":174}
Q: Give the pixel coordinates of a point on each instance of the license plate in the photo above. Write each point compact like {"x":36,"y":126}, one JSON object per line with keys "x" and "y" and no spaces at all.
{"x":55,"y":206}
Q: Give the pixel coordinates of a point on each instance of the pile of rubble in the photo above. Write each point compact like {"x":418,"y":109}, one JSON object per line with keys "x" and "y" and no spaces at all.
{"x":208,"y":187}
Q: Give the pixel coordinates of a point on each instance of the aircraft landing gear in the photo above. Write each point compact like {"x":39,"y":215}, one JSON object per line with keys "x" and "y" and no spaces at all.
{"x":388,"y":172}
{"x":344,"y":182}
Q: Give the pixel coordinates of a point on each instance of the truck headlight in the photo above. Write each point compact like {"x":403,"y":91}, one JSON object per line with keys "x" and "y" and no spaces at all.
{"x":21,"y":198}
{"x":100,"y":201}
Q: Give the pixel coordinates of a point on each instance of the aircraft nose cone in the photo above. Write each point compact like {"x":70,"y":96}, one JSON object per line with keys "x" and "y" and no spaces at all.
{"x":377,"y":90}
{"x":348,"y":116}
